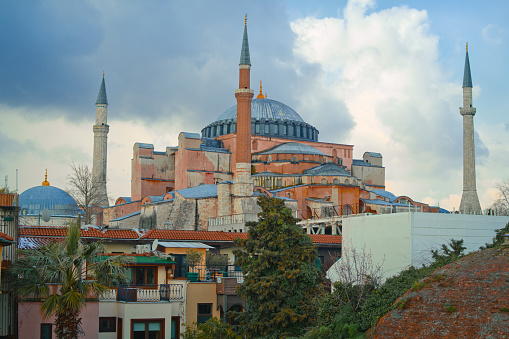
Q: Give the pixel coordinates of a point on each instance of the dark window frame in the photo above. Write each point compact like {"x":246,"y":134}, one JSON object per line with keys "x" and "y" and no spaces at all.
{"x":45,"y":325}
{"x":111,"y":328}
{"x":146,"y":322}
{"x":202,"y":317}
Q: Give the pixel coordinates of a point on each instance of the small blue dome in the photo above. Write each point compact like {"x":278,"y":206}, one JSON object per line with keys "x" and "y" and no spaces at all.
{"x":57,"y":201}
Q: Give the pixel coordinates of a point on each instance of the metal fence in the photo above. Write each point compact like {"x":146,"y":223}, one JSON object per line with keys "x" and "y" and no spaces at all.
{"x":211,"y":273}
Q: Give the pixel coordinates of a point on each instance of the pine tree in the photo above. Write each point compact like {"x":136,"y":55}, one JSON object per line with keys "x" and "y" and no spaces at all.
{"x":281,"y":280}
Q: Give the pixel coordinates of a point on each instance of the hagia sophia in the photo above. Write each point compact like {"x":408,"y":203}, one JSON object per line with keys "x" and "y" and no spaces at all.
{"x":210,"y":181}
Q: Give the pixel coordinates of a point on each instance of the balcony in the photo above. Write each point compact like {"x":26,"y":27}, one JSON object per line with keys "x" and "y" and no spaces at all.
{"x":145,"y":293}
{"x":211,"y":274}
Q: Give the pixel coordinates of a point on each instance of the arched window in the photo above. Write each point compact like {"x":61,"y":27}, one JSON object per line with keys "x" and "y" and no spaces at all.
{"x":267,"y":128}
{"x":284,"y":129}
{"x":268,"y":184}
{"x":335,"y":181}
{"x":294,"y":159}
{"x":228,"y":129}
{"x":279,"y":183}
{"x":290,"y":130}
{"x":324,"y":181}
{"x":257,"y":128}
{"x":347,"y":182}
{"x":276,"y":128}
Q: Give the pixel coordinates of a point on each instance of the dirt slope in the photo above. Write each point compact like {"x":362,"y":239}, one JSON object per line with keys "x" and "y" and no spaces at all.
{"x":466,"y":299}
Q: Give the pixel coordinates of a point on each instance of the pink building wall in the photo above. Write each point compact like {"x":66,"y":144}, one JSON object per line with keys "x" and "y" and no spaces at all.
{"x":117,"y":211}
{"x":30,"y":320}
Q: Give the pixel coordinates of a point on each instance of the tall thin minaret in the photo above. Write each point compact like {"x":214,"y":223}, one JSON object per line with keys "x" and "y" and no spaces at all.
{"x":469,"y":200}
{"x":244,"y":95}
{"x":101,"y":130}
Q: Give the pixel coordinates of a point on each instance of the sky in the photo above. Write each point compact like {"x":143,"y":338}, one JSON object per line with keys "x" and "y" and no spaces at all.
{"x":384,"y":76}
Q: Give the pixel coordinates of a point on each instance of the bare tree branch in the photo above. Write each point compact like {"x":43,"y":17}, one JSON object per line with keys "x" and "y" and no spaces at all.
{"x":357,"y":276}
{"x":501,"y":203}
{"x":84,"y":190}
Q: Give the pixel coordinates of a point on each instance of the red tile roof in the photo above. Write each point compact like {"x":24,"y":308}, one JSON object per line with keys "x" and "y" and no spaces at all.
{"x":317,"y":238}
{"x":186,"y":235}
{"x":57,"y":232}
{"x":152,"y":234}
{"x":6,"y":237}
{"x":120,"y":234}
{"x":326,"y":239}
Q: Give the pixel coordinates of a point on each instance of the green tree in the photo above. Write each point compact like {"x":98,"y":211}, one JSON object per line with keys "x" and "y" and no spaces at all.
{"x":66,"y":265}
{"x":452,"y":251}
{"x":281,"y":280}
{"x":214,"y":328}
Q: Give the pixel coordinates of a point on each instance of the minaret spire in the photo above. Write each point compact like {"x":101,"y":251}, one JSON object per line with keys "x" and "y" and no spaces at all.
{"x":469,"y":199}
{"x":101,"y":130}
{"x":243,"y":183}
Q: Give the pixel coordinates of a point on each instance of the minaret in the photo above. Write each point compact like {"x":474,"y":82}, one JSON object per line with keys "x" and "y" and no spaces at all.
{"x":243,"y":182}
{"x":101,"y":130}
{"x":469,"y":200}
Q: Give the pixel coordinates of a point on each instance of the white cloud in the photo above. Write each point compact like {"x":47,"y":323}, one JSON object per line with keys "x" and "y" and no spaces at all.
{"x":34,"y":145}
{"x":383,"y":66}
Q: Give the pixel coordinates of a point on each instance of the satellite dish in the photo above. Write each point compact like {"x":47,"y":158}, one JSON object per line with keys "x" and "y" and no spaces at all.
{"x":154,"y":245}
{"x":46,"y":215}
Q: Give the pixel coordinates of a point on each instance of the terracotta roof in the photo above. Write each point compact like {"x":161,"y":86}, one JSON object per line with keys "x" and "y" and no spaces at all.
{"x":172,"y":235}
{"x":6,"y":237}
{"x":186,"y":235}
{"x":57,"y":232}
{"x":326,"y":239}
{"x":317,"y":238}
{"x":120,"y":234}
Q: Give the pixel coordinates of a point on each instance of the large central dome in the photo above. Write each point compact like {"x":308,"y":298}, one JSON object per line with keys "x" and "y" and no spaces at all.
{"x":269,"y":118}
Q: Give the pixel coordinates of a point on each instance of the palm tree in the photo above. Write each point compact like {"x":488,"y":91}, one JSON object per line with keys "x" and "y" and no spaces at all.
{"x":65,"y":264}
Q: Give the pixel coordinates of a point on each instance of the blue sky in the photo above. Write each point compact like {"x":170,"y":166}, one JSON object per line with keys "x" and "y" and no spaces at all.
{"x":384,"y":76}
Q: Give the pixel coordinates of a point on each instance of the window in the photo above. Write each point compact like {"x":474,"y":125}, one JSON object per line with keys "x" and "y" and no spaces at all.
{"x":276,"y":129}
{"x":46,"y":331}
{"x":175,"y":328}
{"x":147,"y":328}
{"x":143,"y":275}
{"x":204,"y":313}
{"x":257,"y":128}
{"x":284,"y":129}
{"x":107,"y":324}
{"x":267,"y":128}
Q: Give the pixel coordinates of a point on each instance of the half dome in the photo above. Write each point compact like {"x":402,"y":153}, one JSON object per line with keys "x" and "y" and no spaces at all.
{"x":268,"y":118}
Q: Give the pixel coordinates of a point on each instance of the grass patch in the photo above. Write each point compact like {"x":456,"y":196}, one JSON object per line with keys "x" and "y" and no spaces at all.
{"x":504,"y":309}
{"x":449,"y":308}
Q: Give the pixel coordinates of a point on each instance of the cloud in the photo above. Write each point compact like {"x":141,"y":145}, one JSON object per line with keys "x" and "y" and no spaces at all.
{"x":493,"y":34}
{"x":382,"y":66}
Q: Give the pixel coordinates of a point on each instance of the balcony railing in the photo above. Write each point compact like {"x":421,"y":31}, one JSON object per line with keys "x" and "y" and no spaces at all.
{"x":145,"y":293}
{"x":210,"y":274}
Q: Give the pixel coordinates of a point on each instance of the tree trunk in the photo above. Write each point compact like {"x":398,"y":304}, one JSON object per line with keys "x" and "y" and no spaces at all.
{"x":68,"y":324}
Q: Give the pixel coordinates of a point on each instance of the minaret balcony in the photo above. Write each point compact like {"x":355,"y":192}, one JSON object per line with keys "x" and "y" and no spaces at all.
{"x":467,"y":111}
{"x":244,"y":90}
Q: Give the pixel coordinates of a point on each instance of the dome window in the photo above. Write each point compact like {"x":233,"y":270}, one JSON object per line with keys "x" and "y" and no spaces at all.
{"x":267,"y":128}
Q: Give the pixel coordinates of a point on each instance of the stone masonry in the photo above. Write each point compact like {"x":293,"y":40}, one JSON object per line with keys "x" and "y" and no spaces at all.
{"x":101,"y":130}
{"x":469,"y":200}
